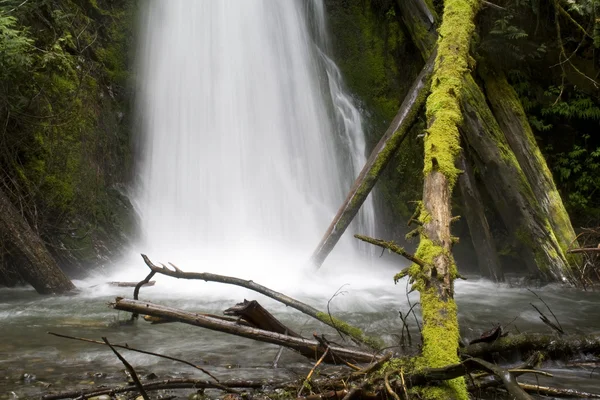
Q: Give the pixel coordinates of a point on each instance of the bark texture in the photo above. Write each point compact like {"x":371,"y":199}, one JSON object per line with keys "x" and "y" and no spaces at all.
{"x":435,"y":281}
{"x":378,"y":160}
{"x":483,"y":242}
{"x":512,"y":119}
{"x":26,"y":251}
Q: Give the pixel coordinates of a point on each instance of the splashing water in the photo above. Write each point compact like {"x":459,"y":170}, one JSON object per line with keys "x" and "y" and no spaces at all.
{"x":249,"y":141}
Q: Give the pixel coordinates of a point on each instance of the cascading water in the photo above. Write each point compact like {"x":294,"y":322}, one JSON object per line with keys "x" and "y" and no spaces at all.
{"x":249,"y":141}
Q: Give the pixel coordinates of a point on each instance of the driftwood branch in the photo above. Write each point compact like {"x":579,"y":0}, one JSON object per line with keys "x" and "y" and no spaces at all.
{"x":182,"y":383}
{"x":257,"y":316}
{"x":335,"y":323}
{"x":136,"y":291}
{"x":131,"y":370}
{"x":309,"y":348}
{"x":127,"y":347}
{"x":585,"y":250}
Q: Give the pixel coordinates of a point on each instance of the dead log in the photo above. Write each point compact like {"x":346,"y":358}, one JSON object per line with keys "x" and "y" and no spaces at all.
{"x":378,"y":160}
{"x":481,"y":236}
{"x":341,"y":326}
{"x":311,"y":349}
{"x":27,"y":252}
{"x":131,"y":284}
{"x":256,"y":315}
{"x":555,"y":347}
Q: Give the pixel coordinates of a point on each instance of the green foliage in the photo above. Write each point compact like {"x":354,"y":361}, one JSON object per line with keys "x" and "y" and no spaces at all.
{"x":578,"y":171}
{"x":64,"y":143}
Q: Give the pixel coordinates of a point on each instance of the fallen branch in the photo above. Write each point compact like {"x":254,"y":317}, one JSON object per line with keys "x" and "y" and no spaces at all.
{"x":550,"y":391}
{"x":127,"y":347}
{"x":136,"y":291}
{"x":393,"y":247}
{"x":165,"y":385}
{"x":308,"y":348}
{"x":554,"y":347}
{"x":585,"y":250}
{"x":131,"y":370}
{"x":335,"y":323}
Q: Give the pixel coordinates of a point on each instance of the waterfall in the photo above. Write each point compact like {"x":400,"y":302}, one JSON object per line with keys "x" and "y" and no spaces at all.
{"x":249,"y":141}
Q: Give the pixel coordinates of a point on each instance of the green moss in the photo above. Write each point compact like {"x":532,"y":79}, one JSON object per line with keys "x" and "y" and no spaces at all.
{"x":349,"y":330}
{"x":442,"y":142}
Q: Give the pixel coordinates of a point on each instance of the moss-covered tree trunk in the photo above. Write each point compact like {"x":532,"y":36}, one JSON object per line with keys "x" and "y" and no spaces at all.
{"x":435,"y":280}
{"x":501,"y":173}
{"x":380,"y":157}
{"x":29,"y":257}
{"x":512,"y":119}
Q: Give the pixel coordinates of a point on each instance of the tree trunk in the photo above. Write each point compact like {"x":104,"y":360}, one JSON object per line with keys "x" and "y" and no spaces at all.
{"x":513,"y":121}
{"x":378,"y":160}
{"x":501,"y":173}
{"x":483,"y":242}
{"x":435,"y":280}
{"x":26,"y":250}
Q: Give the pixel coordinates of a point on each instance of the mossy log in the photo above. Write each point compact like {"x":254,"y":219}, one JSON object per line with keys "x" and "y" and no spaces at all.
{"x":481,"y":236}
{"x":435,"y":279}
{"x":554,"y":347}
{"x":513,"y":121}
{"x":502,"y":176}
{"x":28,"y":255}
{"x":378,"y":160}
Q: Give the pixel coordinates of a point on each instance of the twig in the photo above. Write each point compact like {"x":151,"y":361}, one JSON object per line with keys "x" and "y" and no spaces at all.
{"x":546,"y":321}
{"x":134,"y":376}
{"x":585,"y":250}
{"x":278,"y":356}
{"x":403,"y":383}
{"x":337,"y":292}
{"x":549,"y":309}
{"x":126,"y":347}
{"x":392,"y":247}
{"x":492,"y":5}
{"x":178,"y":383}
{"x":373,"y":366}
{"x":312,"y":371}
{"x":349,"y":330}
{"x":388,"y":388}
{"x":550,"y":391}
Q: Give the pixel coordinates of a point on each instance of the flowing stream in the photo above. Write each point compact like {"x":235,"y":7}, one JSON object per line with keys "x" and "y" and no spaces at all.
{"x":248,"y":144}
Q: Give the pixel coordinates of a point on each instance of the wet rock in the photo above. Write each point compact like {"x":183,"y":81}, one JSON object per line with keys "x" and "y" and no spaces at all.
{"x":102,"y":397}
{"x":151,"y":376}
{"x":28,"y":378}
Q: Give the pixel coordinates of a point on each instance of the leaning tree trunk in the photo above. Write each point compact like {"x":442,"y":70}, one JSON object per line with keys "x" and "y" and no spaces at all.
{"x":435,"y":281}
{"x":32,"y":261}
{"x":513,"y":121}
{"x":502,"y":175}
{"x":375,"y":165}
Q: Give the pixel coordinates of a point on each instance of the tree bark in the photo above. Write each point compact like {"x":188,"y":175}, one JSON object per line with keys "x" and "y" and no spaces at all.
{"x":502,"y":175}
{"x":378,"y":160}
{"x":308,"y":348}
{"x":513,"y":121}
{"x":481,"y":237}
{"x":26,"y":250}
{"x":435,"y":281}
